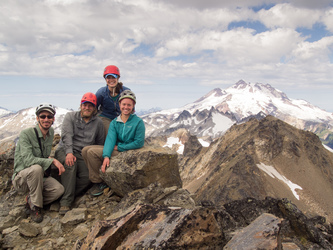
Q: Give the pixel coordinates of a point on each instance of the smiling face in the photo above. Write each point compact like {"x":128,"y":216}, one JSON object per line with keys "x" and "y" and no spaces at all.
{"x":126,"y":106}
{"x":87,"y":110}
{"x":111,"y":82}
{"x":45,"y":120}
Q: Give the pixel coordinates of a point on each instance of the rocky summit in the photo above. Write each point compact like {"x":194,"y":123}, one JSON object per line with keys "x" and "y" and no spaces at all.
{"x":263,"y":185}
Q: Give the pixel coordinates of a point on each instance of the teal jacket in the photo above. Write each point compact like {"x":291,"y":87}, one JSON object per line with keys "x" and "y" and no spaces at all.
{"x":27,"y":151}
{"x":129,"y":135}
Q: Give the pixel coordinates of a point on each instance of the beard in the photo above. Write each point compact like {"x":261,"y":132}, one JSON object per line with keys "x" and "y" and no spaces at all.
{"x":86,"y":113}
{"x":45,"y":125}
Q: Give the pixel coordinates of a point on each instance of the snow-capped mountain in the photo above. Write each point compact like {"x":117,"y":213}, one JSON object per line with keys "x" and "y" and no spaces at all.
{"x":213,"y":114}
{"x":12,"y":124}
{"x":247,"y":99}
{"x":4,"y":112}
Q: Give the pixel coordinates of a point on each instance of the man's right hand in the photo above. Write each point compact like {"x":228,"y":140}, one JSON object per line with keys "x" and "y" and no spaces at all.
{"x":59,"y":166}
{"x":70,"y":159}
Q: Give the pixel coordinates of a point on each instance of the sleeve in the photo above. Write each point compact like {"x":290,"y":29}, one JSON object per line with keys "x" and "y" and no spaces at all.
{"x":27,"y":155}
{"x":99,"y":95}
{"x":138,"y":141}
{"x":67,"y":133}
{"x":110,"y":140}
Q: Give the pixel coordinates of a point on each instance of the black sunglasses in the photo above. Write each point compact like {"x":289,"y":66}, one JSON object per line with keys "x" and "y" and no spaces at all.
{"x":48,"y":116}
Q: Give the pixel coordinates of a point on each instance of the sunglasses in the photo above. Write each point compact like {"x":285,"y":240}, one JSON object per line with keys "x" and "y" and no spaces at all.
{"x":48,"y":116}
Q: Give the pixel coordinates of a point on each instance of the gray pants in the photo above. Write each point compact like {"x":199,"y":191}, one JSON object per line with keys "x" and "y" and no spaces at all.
{"x":75,"y":179}
{"x":42,"y":190}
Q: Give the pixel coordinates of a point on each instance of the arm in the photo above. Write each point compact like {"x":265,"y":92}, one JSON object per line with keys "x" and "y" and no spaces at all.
{"x":67,"y":133}
{"x":110,"y":140}
{"x":59,"y":166}
{"x":99,"y":96}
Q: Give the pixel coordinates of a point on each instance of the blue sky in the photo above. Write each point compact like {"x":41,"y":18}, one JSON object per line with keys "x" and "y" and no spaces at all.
{"x":169,"y":52}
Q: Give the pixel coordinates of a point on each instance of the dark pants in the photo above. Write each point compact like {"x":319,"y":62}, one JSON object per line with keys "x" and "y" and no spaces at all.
{"x":75,"y":179}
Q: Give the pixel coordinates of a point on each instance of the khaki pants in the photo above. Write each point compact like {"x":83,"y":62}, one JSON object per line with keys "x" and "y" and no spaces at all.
{"x":42,"y":190}
{"x":93,"y":156}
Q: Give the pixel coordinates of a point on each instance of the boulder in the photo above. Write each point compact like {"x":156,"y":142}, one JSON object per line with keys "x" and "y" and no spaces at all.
{"x":136,"y":169}
{"x":156,"y":227}
{"x":7,"y":150}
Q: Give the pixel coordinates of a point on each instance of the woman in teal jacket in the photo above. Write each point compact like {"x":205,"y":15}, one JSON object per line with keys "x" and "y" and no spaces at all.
{"x":126,"y":132}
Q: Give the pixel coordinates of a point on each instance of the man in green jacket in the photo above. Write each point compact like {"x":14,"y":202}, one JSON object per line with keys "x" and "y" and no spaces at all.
{"x":32,"y":164}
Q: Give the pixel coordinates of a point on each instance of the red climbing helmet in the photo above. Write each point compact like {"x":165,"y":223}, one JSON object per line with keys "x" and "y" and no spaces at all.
{"x":89,"y":97}
{"x":111,"y":69}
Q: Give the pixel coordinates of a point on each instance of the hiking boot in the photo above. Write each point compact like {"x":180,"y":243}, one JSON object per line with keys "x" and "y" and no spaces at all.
{"x":63,"y":210}
{"x":98,"y":189}
{"x":36,"y":214}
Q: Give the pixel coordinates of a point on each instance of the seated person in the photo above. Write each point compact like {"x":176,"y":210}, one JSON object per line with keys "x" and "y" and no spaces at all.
{"x":126,"y":132}
{"x":79,"y":129}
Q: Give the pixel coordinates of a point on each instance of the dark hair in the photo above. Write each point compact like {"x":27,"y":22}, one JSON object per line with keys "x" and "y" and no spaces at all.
{"x":119,"y":87}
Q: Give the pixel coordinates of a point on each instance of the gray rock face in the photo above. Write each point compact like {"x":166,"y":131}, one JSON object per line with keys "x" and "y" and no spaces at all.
{"x":262,"y":233}
{"x":136,"y":169}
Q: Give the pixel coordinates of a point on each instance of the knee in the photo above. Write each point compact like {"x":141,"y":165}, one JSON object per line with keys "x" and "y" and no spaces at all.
{"x":36,"y":170}
{"x":85,"y":151}
{"x":59,"y":191}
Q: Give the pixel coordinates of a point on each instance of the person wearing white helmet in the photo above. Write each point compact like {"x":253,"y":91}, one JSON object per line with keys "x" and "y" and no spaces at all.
{"x":126,"y":132}
{"x":32,"y":164}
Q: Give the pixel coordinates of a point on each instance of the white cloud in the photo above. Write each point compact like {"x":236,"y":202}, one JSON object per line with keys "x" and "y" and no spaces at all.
{"x":289,"y":16}
{"x":154,"y":41}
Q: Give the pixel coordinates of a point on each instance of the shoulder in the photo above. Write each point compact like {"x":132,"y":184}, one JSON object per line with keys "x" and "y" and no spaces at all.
{"x":135,"y":118}
{"x":27,"y":131}
{"x":101,"y":90}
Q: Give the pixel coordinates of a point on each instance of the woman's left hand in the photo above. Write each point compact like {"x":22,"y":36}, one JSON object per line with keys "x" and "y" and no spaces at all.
{"x":105,"y":164}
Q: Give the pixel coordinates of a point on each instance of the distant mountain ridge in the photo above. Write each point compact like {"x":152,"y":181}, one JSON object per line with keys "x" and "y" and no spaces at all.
{"x":219,"y":109}
{"x":13,"y":123}
{"x":4,"y":111}
{"x":213,"y":114}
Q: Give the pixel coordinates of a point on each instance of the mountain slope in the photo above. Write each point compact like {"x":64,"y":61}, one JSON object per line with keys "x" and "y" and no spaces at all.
{"x":263,"y":158}
{"x":4,"y":112}
{"x":12,"y":124}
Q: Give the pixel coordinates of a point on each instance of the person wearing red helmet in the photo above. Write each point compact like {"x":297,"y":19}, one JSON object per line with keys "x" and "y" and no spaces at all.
{"x":108,"y":96}
{"x":126,"y":132}
{"x":79,"y":129}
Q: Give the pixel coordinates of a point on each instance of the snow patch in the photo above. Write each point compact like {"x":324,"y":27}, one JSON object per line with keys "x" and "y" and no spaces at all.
{"x":272,"y":172}
{"x":175,"y":140}
{"x":204,"y":143}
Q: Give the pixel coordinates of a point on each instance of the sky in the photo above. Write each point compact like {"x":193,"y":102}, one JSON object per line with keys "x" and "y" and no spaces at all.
{"x":169,"y":52}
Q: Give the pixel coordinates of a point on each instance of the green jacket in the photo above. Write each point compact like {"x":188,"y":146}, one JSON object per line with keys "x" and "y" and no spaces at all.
{"x":129,"y":135}
{"x":27,"y":151}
